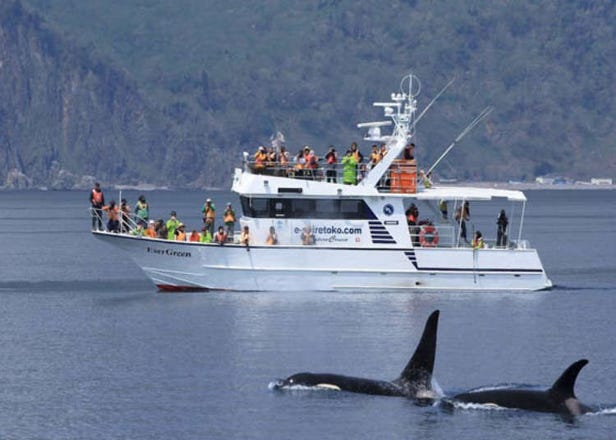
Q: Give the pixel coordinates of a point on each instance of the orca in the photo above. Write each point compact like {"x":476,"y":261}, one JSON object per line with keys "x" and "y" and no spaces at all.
{"x":560,"y":398}
{"x":415,"y":381}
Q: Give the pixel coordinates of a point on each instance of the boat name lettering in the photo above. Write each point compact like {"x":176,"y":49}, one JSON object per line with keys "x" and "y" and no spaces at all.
{"x":169,"y":252}
{"x":332,"y":230}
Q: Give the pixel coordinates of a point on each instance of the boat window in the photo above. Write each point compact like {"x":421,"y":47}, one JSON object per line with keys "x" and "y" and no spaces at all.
{"x":306,"y":208}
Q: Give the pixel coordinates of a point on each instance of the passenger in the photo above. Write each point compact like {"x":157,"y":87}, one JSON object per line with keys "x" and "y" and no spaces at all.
{"x":209,"y":215}
{"x":194,"y":236}
{"x":113,"y":225}
{"x":501,"y":232}
{"x":375,"y":156}
{"x":180,"y":233}
{"x":272,"y":238}
{"x":442,"y":206}
{"x":383,"y":150}
{"x":138,"y":231}
{"x":412,"y":218}
{"x":97,"y":201}
{"x":161,"y":229}
{"x":331,"y":158}
{"x":307,"y":236}
{"x":299,"y":163}
{"x":425,"y":180}
{"x":205,"y":236}
{"x":171,"y":225}
{"x":260,"y":160}
{"x":229,"y":219}
{"x":359,"y":158}
{"x":245,"y":238}
{"x":151,"y":229}
{"x":125,"y":216}
{"x":349,"y":169}
{"x":272,"y":158}
{"x":283,"y":161}
{"x":477,"y":242}
{"x":221,"y":236}
{"x":409,"y":152}
{"x":311,"y":162}
{"x":461,"y":217}
{"x":142,"y":211}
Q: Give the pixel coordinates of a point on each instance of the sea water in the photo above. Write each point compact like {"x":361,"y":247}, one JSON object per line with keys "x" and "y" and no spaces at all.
{"x":90,"y":349}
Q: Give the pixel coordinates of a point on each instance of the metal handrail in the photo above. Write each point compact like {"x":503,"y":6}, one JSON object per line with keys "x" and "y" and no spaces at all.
{"x":334,"y":173}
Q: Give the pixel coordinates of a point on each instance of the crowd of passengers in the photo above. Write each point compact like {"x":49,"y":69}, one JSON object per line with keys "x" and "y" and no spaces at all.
{"x":120,"y":219}
{"x":306,"y":164}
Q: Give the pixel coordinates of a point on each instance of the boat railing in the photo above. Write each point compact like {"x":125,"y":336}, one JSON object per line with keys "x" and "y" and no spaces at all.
{"x":447,"y":236}
{"x":126,"y":223}
{"x":401,"y":177}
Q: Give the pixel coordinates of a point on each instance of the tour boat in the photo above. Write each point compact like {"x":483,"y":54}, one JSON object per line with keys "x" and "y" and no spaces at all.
{"x":333,"y":236}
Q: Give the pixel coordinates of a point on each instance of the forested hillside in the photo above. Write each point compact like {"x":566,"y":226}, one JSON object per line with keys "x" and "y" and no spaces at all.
{"x":170,"y":92}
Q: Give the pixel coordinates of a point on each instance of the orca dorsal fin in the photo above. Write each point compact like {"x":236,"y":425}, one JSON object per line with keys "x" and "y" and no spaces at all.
{"x":565,"y":383}
{"x":419,"y":368}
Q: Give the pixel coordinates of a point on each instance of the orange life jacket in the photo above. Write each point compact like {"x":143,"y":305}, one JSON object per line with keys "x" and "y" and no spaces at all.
{"x":229,"y":216}
{"x":97,"y":197}
{"x":260,"y":158}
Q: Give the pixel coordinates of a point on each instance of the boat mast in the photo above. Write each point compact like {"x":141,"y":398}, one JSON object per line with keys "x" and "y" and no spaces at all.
{"x":401,"y":110}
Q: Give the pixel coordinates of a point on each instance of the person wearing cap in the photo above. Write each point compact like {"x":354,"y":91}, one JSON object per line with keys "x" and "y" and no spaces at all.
{"x":228,"y":217}
{"x":180,"y":233}
{"x":151,"y":229}
{"x":172,"y":224}
{"x":209,"y":215}
{"x":142,"y":211}
{"x":260,"y":160}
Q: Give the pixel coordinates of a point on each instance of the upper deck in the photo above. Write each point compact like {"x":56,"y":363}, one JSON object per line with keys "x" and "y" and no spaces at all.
{"x":393,"y":175}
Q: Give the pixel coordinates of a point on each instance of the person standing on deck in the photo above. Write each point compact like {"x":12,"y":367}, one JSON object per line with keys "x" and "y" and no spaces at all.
{"x":113,"y":225}
{"x":478,"y":242}
{"x":331,"y":159}
{"x":142,"y":211}
{"x":228,"y":217}
{"x":97,"y":201}
{"x":209,"y":215}
{"x":349,"y":169}
{"x":171,"y":225}
{"x":501,"y":232}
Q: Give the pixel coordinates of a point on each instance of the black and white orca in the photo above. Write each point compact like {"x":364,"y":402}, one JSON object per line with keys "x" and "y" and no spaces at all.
{"x":560,"y":398}
{"x":415,"y":381}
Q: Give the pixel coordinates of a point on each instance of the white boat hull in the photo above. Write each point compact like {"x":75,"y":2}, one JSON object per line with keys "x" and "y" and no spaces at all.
{"x":193,"y":266}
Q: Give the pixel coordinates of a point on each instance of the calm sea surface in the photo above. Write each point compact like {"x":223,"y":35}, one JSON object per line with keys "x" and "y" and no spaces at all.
{"x":90,"y":350}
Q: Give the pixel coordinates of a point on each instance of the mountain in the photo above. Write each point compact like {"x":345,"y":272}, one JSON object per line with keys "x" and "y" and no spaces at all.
{"x":171,"y":92}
